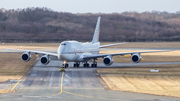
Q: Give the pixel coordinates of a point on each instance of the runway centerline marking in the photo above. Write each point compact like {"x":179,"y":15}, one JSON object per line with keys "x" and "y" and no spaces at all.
{"x":50,"y":83}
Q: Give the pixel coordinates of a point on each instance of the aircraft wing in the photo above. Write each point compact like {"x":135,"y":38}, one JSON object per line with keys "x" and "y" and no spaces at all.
{"x":103,"y":46}
{"x":125,"y":53}
{"x":32,"y":51}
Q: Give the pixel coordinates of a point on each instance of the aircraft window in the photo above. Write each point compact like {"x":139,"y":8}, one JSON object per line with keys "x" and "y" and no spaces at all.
{"x":63,"y":44}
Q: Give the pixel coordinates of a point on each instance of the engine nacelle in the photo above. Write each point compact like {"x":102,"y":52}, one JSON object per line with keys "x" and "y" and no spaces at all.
{"x":45,"y":59}
{"x":108,"y":60}
{"x":136,"y":58}
{"x":26,"y":56}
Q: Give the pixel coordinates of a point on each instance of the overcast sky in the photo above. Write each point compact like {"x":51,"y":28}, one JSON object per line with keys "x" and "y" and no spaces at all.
{"x":95,"y":6}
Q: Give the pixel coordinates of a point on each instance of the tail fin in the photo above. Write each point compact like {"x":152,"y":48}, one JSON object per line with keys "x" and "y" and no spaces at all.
{"x":97,"y":31}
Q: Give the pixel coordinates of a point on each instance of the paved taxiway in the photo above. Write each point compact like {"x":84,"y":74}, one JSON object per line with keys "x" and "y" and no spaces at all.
{"x":76,"y":84}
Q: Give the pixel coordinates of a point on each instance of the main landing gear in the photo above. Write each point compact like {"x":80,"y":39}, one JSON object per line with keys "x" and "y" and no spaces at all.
{"x":76,"y":64}
{"x":94,"y":64}
{"x":86,"y":64}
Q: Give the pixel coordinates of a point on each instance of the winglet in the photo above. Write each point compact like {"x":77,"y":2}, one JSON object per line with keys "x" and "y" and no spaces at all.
{"x":97,"y":31}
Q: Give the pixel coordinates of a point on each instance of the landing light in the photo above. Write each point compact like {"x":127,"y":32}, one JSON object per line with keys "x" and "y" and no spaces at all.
{"x":64,"y":62}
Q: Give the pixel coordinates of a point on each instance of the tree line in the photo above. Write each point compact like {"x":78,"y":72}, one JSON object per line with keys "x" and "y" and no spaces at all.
{"x":46,"y":25}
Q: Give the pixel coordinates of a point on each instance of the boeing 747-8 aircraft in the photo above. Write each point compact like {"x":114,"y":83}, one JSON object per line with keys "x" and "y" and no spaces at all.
{"x":74,"y":51}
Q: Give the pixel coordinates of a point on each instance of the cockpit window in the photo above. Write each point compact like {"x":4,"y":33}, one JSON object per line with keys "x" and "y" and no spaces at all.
{"x":63,"y":44}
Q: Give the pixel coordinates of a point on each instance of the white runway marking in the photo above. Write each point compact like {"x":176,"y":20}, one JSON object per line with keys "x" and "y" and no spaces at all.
{"x":52,"y":78}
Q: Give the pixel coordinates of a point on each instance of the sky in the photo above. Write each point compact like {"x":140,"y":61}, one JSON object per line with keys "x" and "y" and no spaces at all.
{"x":96,"y":6}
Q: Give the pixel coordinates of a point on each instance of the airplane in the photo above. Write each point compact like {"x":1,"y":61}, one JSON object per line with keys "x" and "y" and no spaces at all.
{"x":77,"y":52}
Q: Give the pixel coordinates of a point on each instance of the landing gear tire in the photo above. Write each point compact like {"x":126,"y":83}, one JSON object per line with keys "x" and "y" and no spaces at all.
{"x":94,"y":64}
{"x":66,"y":65}
{"x":76,"y":65}
{"x":86,"y":65}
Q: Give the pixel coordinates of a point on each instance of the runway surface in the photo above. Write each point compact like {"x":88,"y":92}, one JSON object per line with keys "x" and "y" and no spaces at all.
{"x":46,"y":83}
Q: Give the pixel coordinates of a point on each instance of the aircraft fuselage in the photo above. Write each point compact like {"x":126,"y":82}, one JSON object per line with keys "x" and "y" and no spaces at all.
{"x":73,"y":51}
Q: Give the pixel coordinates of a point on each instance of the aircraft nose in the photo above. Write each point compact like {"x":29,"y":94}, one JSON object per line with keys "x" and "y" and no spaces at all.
{"x":62,"y":50}
{"x":61,"y":53}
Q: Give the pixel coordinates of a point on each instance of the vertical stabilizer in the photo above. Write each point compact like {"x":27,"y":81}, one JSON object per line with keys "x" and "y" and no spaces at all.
{"x":97,"y":31}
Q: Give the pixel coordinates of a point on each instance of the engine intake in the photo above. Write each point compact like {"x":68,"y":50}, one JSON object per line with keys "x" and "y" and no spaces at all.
{"x":136,"y":58}
{"x":26,"y":56}
{"x":108,"y":60}
{"x":45,"y":59}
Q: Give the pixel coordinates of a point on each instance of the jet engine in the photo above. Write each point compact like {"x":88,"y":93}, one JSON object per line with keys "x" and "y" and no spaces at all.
{"x":26,"y":56}
{"x":108,"y":60}
{"x":136,"y":58}
{"x":45,"y":59}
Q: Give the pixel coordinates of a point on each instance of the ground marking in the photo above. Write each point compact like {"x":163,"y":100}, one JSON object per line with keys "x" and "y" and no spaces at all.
{"x":38,"y":96}
{"x":15,"y":85}
{"x":60,"y":93}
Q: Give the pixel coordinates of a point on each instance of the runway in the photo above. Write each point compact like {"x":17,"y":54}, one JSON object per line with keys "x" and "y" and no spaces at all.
{"x":46,"y":83}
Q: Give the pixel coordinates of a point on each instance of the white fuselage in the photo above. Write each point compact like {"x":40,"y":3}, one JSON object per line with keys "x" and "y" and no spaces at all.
{"x":73,"y":51}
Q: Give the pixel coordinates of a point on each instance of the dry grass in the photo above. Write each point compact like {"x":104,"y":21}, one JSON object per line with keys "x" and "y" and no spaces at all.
{"x":4,"y":91}
{"x":158,"y":85}
{"x":139,"y":79}
{"x":172,"y":69}
{"x":12,"y":67}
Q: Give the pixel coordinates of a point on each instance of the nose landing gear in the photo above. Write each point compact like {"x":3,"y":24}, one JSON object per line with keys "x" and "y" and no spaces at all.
{"x":62,"y":68}
{"x":94,"y":63}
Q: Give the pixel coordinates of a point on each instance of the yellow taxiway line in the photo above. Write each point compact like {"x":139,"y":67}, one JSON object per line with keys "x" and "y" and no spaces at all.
{"x":16,"y":85}
{"x":60,"y":87}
